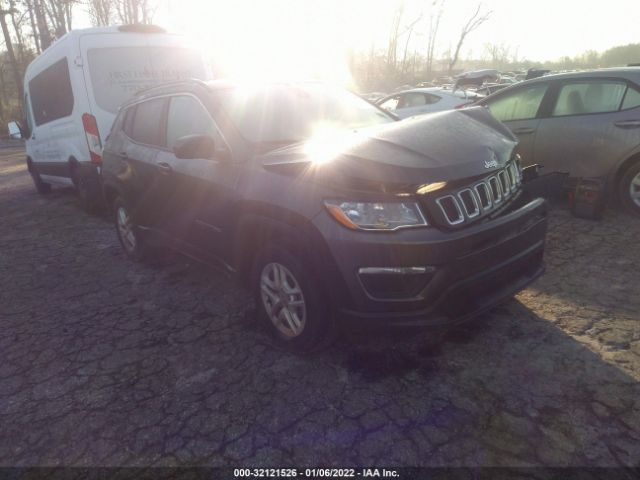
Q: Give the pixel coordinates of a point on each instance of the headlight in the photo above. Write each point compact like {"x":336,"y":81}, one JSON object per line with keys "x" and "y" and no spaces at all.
{"x":376,"y":216}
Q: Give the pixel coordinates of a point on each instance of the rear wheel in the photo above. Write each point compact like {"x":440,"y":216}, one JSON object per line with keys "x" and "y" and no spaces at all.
{"x":289,"y":301}
{"x":85,"y":190}
{"x":630,"y":189}
{"x":41,"y":186}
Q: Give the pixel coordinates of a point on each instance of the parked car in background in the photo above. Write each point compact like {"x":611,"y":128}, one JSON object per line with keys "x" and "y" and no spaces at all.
{"x":585,"y":125}
{"x":373,"y":96}
{"x":419,"y":101}
{"x":72,"y":92}
{"x":330,"y":209}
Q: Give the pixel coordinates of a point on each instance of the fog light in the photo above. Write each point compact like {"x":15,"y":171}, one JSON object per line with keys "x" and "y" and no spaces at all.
{"x":395,"y":283}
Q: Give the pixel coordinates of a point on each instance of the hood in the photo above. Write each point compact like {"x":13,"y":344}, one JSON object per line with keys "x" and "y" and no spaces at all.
{"x":441,"y":147}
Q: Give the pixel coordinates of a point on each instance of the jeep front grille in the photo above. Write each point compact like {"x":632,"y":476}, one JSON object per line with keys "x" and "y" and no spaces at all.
{"x":480,"y":198}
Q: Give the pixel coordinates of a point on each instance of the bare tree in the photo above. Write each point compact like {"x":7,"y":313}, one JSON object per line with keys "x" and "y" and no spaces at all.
{"x":101,"y":12}
{"x":17,"y":77}
{"x":392,"y":48}
{"x":472,"y":24}
{"x":435,"y":15}
{"x":135,"y":11}
{"x":59,"y":13}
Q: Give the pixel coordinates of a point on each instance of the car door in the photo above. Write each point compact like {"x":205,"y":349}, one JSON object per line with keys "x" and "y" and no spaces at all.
{"x":519,"y":110}
{"x":147,"y":182}
{"x":202,"y":188}
{"x":594,"y":122}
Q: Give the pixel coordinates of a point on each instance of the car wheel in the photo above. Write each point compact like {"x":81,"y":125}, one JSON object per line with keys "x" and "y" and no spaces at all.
{"x":128,"y":232}
{"x":290,"y":302}
{"x":630,"y":189}
{"x":41,"y":186}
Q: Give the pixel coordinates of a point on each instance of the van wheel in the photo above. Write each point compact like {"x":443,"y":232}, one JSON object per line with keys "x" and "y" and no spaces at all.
{"x":87,"y":196}
{"x":290,"y":302}
{"x":630,"y":189}
{"x":128,"y":233}
{"x":41,"y":186}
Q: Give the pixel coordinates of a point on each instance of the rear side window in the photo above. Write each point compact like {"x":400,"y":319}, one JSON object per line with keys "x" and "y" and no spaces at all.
{"x":391,"y":103}
{"x":147,"y":123}
{"x":595,"y":96}
{"x":51,"y":94}
{"x":631,"y":99}
{"x":522,"y":104}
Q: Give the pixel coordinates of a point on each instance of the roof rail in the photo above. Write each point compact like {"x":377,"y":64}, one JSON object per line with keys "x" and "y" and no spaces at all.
{"x":192,"y":81}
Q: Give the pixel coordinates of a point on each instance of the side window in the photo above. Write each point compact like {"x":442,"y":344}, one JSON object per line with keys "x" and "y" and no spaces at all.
{"x":431,"y":99}
{"x":631,"y":99}
{"x":147,"y":122}
{"x":127,"y":123}
{"x":51,"y":93}
{"x":27,"y":110}
{"x":391,"y":103}
{"x":188,"y":117}
{"x":520,"y":105}
{"x":412,"y":99}
{"x":589,"y":96}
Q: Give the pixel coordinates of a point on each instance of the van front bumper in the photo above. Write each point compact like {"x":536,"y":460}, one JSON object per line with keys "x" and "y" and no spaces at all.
{"x":427,"y":276}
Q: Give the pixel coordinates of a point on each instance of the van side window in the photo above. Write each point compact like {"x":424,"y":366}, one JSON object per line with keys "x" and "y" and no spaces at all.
{"x":188,"y":117}
{"x":27,"y":113}
{"x":51,"y":93}
{"x":147,"y":123}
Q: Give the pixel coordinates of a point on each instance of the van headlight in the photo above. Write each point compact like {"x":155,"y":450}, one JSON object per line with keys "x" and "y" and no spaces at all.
{"x":376,"y":215}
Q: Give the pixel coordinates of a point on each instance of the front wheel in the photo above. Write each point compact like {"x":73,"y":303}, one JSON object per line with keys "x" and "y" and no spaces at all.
{"x":128,"y":231}
{"x":630,"y":189}
{"x":290,"y":302}
{"x":86,"y":190}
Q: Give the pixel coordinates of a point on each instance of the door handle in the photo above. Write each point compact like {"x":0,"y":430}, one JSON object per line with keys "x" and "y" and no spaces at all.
{"x":627,"y":124}
{"x":123,"y":154}
{"x":523,"y":130}
{"x":164,"y":167}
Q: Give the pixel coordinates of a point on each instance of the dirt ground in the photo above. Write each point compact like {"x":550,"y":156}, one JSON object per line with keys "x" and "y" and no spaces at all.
{"x":108,"y":362}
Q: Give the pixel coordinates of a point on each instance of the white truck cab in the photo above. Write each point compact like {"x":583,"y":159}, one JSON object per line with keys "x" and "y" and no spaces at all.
{"x":73,"y":91}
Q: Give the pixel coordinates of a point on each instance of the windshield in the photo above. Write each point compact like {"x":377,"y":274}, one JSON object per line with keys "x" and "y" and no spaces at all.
{"x":292,"y":113}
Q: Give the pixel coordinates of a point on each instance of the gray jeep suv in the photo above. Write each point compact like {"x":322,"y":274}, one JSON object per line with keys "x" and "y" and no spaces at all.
{"x":330,"y":209}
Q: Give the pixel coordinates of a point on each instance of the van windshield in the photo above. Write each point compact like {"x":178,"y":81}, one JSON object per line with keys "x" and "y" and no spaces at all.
{"x":288,"y":113}
{"x":117,"y":73}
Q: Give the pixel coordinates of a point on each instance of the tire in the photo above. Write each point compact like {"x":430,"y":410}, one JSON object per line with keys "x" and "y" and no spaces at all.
{"x":629,"y":189}
{"x":41,"y":187}
{"x":87,"y":197}
{"x":130,"y":239}
{"x":297,"y":328}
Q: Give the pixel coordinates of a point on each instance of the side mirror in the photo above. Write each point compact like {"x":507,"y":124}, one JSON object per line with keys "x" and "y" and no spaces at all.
{"x":195,"y":146}
{"x":15,"y":131}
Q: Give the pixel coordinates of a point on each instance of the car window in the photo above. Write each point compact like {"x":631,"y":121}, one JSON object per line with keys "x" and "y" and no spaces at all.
{"x":522,"y":104}
{"x":391,"y":103}
{"x":127,"y":122}
{"x":147,"y":122}
{"x":590,"y":96}
{"x":48,"y":107}
{"x":27,"y":108}
{"x":412,"y":99}
{"x":431,"y":99}
{"x":631,"y":99}
{"x":187,"y":117}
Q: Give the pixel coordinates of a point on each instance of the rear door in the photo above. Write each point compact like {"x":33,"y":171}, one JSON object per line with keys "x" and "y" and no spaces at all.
{"x":143,"y":131}
{"x":519,"y":110}
{"x":593,"y":123}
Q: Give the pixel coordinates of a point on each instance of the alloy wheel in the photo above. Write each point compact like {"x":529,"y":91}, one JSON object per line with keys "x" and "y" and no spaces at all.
{"x":283,"y":299}
{"x":634,"y":189}
{"x":125,"y":229}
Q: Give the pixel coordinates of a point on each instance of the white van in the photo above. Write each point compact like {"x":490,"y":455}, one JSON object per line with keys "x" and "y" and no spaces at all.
{"x":73,"y":91}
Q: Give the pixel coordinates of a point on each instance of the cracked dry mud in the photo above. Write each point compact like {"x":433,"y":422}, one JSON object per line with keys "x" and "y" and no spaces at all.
{"x":108,"y":362}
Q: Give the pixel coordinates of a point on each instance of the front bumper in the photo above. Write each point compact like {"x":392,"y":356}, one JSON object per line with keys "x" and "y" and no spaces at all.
{"x":470,"y":270}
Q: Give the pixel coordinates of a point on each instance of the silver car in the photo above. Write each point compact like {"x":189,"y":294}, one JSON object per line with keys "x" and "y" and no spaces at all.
{"x":419,"y":101}
{"x":585,"y":125}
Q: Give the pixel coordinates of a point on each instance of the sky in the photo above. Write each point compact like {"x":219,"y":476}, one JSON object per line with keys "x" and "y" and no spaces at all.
{"x":248,"y":32}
